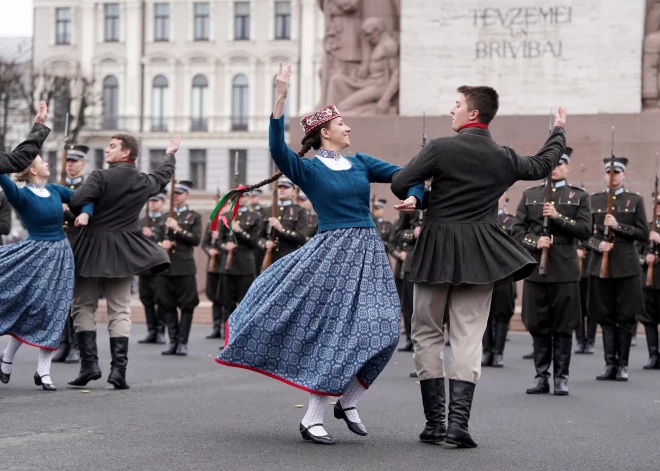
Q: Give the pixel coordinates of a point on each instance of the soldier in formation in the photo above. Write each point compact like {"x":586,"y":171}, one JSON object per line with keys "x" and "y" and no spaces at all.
{"x":651,"y":315}
{"x":585,"y":334}
{"x":209,"y":246}
{"x":312,"y":217}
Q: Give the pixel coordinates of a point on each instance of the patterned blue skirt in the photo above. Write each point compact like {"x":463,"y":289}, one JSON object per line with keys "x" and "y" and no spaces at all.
{"x":36,"y":280}
{"x":319,"y":316}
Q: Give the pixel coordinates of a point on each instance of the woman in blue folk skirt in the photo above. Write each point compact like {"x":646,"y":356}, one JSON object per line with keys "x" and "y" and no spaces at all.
{"x":325,"y":318}
{"x":36,"y":274}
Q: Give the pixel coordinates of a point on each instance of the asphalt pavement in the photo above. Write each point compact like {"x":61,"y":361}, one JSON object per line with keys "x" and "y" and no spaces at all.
{"x":188,"y":413}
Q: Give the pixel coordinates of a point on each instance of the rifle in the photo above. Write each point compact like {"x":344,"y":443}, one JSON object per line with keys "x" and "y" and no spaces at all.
{"x":230,"y":253}
{"x":545,"y":229}
{"x":605,"y":263}
{"x":214,"y":240}
{"x":170,"y":232}
{"x":268,"y":258}
{"x":66,"y":152}
{"x":654,"y":226}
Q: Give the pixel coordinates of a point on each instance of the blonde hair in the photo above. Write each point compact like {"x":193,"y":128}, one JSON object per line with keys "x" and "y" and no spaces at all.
{"x":24,"y":176}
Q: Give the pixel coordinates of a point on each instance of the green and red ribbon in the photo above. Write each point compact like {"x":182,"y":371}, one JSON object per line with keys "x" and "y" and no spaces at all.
{"x":234,"y":196}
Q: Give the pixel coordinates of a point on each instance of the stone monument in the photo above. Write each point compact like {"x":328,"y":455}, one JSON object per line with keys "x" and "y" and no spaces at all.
{"x":651,"y":57}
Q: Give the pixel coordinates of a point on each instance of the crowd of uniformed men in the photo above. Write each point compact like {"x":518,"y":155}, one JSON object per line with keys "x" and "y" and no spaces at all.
{"x":571,"y":296}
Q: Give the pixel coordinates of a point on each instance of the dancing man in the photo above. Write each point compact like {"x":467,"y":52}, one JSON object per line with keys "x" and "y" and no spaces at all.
{"x":462,"y":251}
{"x":112,"y":249}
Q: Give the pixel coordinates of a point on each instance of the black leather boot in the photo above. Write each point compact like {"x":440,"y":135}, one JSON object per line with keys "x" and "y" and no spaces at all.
{"x":150,"y":315}
{"x":119,"y":352}
{"x":182,"y":350}
{"x":561,"y":348}
{"x":216,"y":333}
{"x":74,"y":355}
{"x":652,"y":344}
{"x":624,"y":337}
{"x":460,"y":404}
{"x":501,"y":330}
{"x":609,"y":346}
{"x":62,"y":352}
{"x":160,"y":337}
{"x":488,"y":343}
{"x":542,"y":360}
{"x":89,"y":359}
{"x":433,"y":400}
{"x":171,"y":350}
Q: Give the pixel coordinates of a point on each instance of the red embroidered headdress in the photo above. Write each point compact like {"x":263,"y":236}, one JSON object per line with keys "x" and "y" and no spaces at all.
{"x":317,"y":118}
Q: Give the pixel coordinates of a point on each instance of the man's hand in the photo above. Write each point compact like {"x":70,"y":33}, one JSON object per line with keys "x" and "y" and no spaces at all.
{"x":147,"y":232}
{"x":544,"y":243}
{"x":650,"y":259}
{"x":236,"y":227}
{"x":167,"y":244}
{"x":230,"y":246}
{"x":611,"y":222}
{"x":275,"y":224}
{"x":172,"y":224}
{"x":215,"y":235}
{"x":270,"y":244}
{"x":407,"y":205}
{"x":654,"y":237}
{"x":604,"y":246}
{"x":403,"y":256}
{"x":174,"y":145}
{"x":42,"y":113}
{"x":560,"y":117}
{"x":416,"y":232}
{"x":82,"y":220}
{"x":213,"y":252}
{"x":581,"y":253}
{"x":550,"y":211}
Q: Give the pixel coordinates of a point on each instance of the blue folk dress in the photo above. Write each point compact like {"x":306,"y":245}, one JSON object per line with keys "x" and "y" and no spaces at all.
{"x":330,"y":310}
{"x":36,"y":274}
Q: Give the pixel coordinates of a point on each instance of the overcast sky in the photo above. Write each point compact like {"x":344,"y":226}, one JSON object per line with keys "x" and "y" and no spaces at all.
{"x":15,"y":17}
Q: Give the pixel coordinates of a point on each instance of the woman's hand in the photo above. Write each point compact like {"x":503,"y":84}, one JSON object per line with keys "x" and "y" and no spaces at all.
{"x":282,"y":89}
{"x":407,"y":206}
{"x":82,"y":220}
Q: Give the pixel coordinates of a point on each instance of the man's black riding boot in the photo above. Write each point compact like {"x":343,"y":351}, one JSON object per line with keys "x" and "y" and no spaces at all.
{"x":216,"y":333}
{"x":542,"y":360}
{"x":561,"y":348}
{"x":652,"y":344}
{"x":89,"y":359}
{"x":488,"y":344}
{"x":150,"y":314}
{"x":433,"y":400}
{"x":624,"y":336}
{"x":460,"y":404}
{"x":609,"y":346}
{"x":501,"y":330}
{"x":119,"y":351}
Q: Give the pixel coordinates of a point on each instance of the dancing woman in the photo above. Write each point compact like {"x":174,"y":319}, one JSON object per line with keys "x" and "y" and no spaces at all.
{"x":324,"y":319}
{"x":37,"y":273}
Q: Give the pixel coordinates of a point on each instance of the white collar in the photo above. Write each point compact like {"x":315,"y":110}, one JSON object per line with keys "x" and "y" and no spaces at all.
{"x":500,"y":212}
{"x":155,"y":215}
{"x":285,"y":203}
{"x":616,"y":192}
{"x":181,"y":209}
{"x":73,"y":181}
{"x":560,"y":183}
{"x":243,"y":209}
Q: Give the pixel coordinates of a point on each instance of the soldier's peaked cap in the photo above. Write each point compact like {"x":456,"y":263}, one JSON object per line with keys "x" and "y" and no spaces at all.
{"x":620,"y":164}
{"x":76,"y":152}
{"x":183,"y":186}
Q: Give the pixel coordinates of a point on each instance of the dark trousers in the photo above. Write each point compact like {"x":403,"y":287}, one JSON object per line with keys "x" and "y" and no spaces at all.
{"x":177,"y":292}
{"x":407,"y":293}
{"x":586,"y":332}
{"x":502,"y":308}
{"x":147,"y":291}
{"x":68,"y":337}
{"x":615,"y":302}
{"x":551,"y":309}
{"x":234,"y":288}
{"x":213,"y":292}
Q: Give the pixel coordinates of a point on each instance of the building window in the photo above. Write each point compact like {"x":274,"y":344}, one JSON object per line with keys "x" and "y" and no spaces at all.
{"x":63,"y":25}
{"x":110,"y":102}
{"x":51,"y":158}
{"x":286,"y":103}
{"x":162,"y":22}
{"x":99,"y":158}
{"x":198,"y":168}
{"x":239,"y":110}
{"x":241,"y":20}
{"x":155,"y":158}
{"x":159,"y":104}
{"x":61,"y":103}
{"x":241,"y":155}
{"x":111,"y":22}
{"x":200,"y":92}
{"x":202,"y":21}
{"x":282,"y":20}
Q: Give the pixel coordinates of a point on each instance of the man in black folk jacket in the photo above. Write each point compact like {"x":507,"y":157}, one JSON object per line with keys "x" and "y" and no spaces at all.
{"x":462,"y":251}
{"x":112,"y":249}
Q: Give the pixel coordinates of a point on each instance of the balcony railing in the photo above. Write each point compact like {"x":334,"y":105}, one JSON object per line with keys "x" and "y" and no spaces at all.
{"x":178,"y":124}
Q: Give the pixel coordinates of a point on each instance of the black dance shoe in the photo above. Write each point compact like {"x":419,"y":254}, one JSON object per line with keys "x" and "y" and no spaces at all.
{"x":307,"y":435}
{"x":45,"y":386}
{"x":355,"y":427}
{"x":4,"y":377}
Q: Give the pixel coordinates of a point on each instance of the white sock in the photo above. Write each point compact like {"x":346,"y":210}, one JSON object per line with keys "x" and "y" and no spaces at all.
{"x":10,"y":353}
{"x":315,"y":414}
{"x":43,"y":367}
{"x":351,"y":396}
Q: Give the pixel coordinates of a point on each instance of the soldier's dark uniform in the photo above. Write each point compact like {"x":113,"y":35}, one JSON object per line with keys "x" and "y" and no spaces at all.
{"x":502,"y":307}
{"x":258,"y":208}
{"x":147,"y":283}
{"x":384,"y":227}
{"x":237,"y":278}
{"x":177,"y":287}
{"x":68,"y":351}
{"x":5,"y":217}
{"x":651,"y":315}
{"x":312,"y":219}
{"x":294,"y":224}
{"x":213,"y":283}
{"x":551,"y":303}
{"x":617,"y":299}
{"x":585,"y":334}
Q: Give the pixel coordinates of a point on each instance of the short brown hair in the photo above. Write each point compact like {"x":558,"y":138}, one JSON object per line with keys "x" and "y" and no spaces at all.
{"x":483,"y":99}
{"x":129,"y":143}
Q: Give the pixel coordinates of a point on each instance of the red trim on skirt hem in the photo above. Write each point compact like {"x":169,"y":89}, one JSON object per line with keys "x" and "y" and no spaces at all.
{"x":32,"y":344}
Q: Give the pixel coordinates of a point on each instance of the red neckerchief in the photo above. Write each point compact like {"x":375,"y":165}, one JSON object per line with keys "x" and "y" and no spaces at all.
{"x":474,"y":125}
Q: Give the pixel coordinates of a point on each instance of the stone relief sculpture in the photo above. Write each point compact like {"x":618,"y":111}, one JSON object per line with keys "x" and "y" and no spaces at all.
{"x":360,"y":72}
{"x":651,"y":57}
